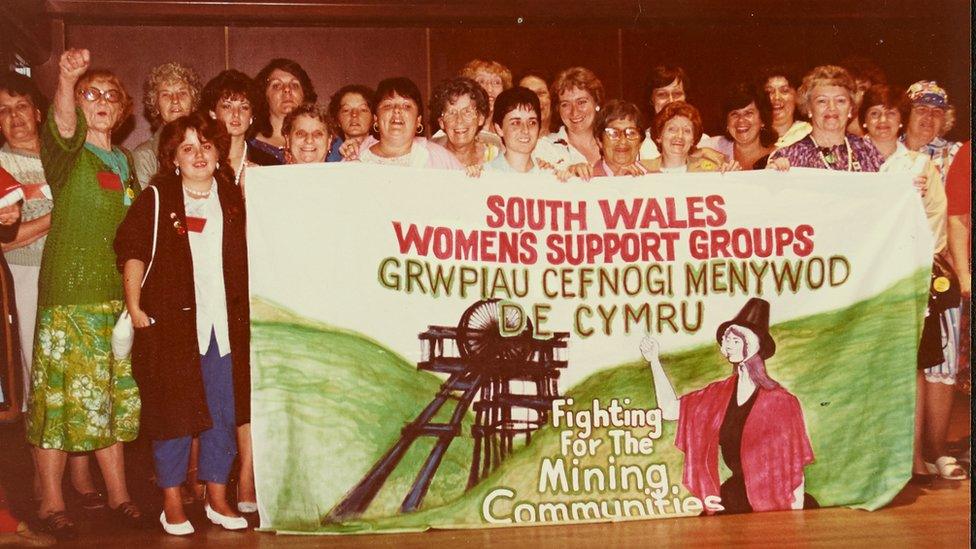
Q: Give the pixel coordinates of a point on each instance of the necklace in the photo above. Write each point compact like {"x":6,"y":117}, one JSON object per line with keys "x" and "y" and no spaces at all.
{"x":829,"y":158}
{"x":240,"y":169}
{"x":197,"y":194}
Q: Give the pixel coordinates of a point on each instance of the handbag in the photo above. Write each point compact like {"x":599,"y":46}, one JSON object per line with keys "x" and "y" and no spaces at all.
{"x":123,"y":334}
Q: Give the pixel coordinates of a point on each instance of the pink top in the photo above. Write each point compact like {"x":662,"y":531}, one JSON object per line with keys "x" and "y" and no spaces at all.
{"x":423,"y":154}
{"x":602,"y":169}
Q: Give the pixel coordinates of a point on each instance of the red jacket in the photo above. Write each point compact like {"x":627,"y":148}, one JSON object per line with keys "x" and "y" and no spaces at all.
{"x":775,"y":446}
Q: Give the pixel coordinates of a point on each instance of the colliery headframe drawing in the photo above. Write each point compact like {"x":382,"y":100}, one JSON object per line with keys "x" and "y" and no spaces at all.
{"x":492,"y":355}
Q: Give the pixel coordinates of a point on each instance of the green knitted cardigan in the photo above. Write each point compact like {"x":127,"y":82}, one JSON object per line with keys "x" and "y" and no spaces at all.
{"x":78,"y":265}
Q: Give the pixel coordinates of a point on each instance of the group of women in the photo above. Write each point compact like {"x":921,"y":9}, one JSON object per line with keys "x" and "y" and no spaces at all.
{"x":170,"y":218}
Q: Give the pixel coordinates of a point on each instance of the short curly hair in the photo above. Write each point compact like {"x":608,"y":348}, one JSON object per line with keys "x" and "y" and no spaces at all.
{"x":825,"y":75}
{"x":473,"y":67}
{"x":164,"y":74}
{"x":673,"y":110}
{"x":311,"y":110}
{"x":617,"y":109}
{"x":450,"y":90}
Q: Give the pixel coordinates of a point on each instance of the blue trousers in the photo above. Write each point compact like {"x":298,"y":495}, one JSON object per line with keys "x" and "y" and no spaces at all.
{"x":218,"y":445}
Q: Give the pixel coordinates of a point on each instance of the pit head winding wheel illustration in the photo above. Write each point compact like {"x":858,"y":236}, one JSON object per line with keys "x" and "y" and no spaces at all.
{"x":490,"y":355}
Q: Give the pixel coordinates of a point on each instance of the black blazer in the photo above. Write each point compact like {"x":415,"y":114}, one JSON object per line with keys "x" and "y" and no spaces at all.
{"x":165,"y":356}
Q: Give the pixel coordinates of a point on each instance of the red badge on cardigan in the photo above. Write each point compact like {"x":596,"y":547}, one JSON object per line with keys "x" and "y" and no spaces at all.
{"x":195,"y":224}
{"x":109,"y":181}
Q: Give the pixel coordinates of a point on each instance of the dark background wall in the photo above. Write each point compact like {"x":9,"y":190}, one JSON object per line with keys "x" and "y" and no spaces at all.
{"x":719,"y":43}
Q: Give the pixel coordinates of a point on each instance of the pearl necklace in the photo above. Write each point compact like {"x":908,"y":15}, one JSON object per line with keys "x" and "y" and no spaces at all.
{"x":199,"y":194}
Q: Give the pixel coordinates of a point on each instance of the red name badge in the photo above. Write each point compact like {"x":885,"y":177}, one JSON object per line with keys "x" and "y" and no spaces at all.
{"x":109,"y":181}
{"x":195,"y":224}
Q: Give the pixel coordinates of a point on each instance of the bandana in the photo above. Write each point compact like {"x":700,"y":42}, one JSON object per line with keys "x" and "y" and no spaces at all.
{"x":927,"y":92}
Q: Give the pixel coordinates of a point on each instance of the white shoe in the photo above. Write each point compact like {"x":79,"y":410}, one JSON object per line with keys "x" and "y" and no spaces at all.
{"x":247,"y":507}
{"x":182,"y":529}
{"x":225,"y":522}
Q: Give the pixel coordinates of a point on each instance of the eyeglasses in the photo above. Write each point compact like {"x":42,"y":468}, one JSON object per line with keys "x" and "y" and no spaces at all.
{"x":615,"y":134}
{"x":94,"y":94}
{"x":467,"y":114}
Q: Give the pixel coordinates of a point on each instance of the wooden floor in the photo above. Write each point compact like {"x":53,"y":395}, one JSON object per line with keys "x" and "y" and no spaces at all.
{"x":937,"y":516}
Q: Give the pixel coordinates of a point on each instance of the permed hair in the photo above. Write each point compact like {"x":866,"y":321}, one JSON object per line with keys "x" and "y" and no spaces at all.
{"x":311,"y":110}
{"x":450,"y":90}
{"x":229,"y":84}
{"x":675,"y":109}
{"x":473,"y":67}
{"x":824,"y":75}
{"x":165,"y":74}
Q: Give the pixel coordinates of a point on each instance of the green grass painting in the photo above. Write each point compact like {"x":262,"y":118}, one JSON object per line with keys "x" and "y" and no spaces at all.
{"x":332,"y":402}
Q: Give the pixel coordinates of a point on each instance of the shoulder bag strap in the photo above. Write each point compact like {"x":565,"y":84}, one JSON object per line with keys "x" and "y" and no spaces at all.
{"x":155,"y":231}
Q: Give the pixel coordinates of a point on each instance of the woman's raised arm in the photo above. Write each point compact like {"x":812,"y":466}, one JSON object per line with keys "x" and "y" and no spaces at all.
{"x":72,"y":65}
{"x":667,"y":400}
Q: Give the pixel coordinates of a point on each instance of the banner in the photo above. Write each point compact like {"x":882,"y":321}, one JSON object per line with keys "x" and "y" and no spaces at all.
{"x":436,"y":351}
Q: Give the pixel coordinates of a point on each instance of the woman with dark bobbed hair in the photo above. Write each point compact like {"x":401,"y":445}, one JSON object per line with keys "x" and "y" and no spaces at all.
{"x":749,"y":134}
{"x":191,"y":314}
{"x":398,"y":122}
{"x":279,"y":87}
{"x":227,"y":98}
{"x":460,"y":106}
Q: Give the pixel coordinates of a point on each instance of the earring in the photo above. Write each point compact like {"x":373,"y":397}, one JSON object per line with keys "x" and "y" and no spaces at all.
{"x":420,"y":129}
{"x":177,"y":170}
{"x":376,"y":129}
{"x":899,"y":124}
{"x":217,"y":167}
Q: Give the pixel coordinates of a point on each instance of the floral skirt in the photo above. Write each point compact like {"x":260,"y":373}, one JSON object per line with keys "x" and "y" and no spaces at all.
{"x":81,"y":398}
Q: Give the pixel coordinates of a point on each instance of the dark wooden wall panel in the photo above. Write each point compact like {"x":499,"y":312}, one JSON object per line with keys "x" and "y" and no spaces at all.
{"x":131,"y":52}
{"x":716,"y":52}
{"x":549,"y":48}
{"x":334,"y":57}
{"x":717,"y":55}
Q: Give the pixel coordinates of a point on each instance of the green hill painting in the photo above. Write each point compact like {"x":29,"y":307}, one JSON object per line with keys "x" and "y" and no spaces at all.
{"x":328,"y":403}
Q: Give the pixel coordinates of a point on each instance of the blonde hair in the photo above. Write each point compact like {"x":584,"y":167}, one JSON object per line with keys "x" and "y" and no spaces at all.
{"x":165,"y":74}
{"x":473,"y":67}
{"x":825,"y":75}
